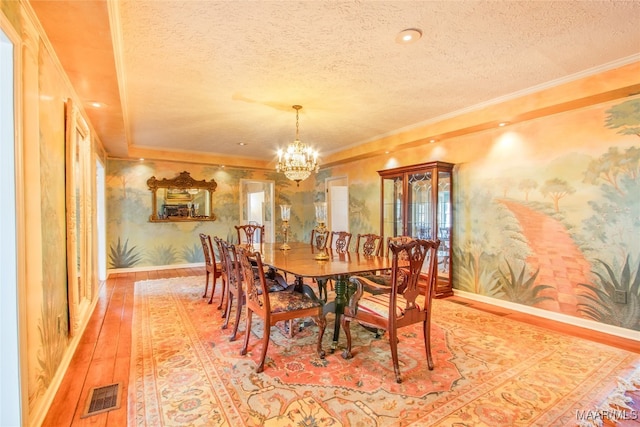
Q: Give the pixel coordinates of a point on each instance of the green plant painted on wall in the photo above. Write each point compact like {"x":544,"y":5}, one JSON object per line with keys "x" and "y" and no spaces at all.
{"x":475,"y":272}
{"x":193,"y":254}
{"x":601,"y":302}
{"x":521,"y":289}
{"x":491,"y":236}
{"x":162,"y":255}
{"x":610,"y":235}
{"x":121,"y":256}
{"x":53,"y":340}
{"x":556,"y":189}
{"x":625,"y":117}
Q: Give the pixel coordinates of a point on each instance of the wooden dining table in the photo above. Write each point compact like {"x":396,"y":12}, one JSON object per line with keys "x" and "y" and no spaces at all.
{"x":300,"y":262}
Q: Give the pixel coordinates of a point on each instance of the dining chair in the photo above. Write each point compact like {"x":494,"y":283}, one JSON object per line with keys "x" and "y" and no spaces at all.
{"x":404,"y":305}
{"x":319,"y":239}
{"x":213,"y":269}
{"x":235,"y":282}
{"x":369,"y":244}
{"x":273,"y":307}
{"x":249,"y":234}
{"x":340,"y":241}
{"x":224,"y":274}
{"x":380,"y":282}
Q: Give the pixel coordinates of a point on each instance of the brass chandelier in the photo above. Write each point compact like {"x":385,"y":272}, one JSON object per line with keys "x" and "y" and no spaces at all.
{"x":299,"y":160}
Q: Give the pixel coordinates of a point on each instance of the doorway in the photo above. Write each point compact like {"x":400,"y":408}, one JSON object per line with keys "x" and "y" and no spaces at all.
{"x":337,"y":189}
{"x":257,"y":205}
{"x":10,"y":394}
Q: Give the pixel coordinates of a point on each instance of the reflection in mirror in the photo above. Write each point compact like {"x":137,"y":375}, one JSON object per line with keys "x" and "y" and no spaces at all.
{"x":181,"y":199}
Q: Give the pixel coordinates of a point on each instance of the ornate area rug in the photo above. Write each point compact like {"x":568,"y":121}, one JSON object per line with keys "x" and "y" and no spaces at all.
{"x":489,"y":371}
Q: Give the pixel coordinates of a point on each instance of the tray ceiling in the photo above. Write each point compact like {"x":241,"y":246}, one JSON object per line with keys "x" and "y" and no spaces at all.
{"x":204,"y":76}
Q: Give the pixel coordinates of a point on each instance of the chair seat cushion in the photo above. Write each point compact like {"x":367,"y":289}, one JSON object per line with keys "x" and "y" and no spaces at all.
{"x":379,"y":304}
{"x":276,"y":285}
{"x":272,"y":285}
{"x":374,"y":283}
{"x":289,"y":301}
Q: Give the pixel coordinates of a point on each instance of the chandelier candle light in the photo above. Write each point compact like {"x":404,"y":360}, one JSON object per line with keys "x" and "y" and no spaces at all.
{"x":321,"y":218}
{"x":299,"y":160}
{"x":285,"y":214}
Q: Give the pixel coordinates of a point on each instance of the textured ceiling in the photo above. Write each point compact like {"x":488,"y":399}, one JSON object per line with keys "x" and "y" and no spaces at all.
{"x":203,"y":76}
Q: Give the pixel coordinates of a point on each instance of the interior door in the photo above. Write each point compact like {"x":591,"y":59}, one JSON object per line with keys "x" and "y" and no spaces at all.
{"x":10,"y":367}
{"x":339,"y":208}
{"x":338,"y":204}
{"x":257,"y":205}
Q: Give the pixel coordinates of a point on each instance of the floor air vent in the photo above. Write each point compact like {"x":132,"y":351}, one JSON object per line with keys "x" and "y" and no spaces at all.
{"x":102,"y":399}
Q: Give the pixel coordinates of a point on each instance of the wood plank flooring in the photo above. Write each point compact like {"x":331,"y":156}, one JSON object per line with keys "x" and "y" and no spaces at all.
{"x":103,"y":354}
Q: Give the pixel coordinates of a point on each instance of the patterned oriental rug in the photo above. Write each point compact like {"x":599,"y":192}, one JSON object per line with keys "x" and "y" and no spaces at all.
{"x":489,"y":371}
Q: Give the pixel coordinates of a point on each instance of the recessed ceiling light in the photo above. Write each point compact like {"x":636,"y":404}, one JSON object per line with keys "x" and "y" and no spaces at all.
{"x":96,"y":104}
{"x":432,"y":140}
{"x":410,"y":35}
{"x":503,"y":124}
{"x":242,"y":143}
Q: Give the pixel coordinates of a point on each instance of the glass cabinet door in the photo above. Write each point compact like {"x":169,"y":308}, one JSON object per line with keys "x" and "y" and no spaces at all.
{"x":417,"y":202}
{"x":392,"y":205}
{"x":444,"y":222}
{"x":420,"y":207}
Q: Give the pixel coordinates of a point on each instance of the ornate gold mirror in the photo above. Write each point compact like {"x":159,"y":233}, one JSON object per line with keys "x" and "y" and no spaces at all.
{"x":181,"y":199}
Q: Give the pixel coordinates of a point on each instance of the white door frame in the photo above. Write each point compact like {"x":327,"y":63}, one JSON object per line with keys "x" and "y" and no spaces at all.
{"x":12,"y":231}
{"x":268,"y":187}
{"x":328,"y":183}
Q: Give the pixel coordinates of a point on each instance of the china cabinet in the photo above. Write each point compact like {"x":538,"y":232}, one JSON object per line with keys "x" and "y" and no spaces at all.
{"x":416,"y":201}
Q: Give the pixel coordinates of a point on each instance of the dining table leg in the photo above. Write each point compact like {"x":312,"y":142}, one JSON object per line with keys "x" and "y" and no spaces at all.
{"x":341,"y":287}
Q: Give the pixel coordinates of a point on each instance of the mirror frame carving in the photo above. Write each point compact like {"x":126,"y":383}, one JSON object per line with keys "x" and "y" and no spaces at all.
{"x":183,"y":181}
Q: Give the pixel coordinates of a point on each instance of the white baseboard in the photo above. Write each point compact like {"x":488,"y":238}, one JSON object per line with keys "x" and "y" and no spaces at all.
{"x":546,"y":314}
{"x":153,"y":267}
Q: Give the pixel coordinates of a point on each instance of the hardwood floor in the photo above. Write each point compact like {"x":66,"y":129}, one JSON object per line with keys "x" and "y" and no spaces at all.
{"x":103,"y":354}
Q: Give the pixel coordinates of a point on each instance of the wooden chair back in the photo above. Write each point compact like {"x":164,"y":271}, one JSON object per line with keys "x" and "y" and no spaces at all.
{"x":369,"y":244}
{"x":248,"y":234}
{"x":398,"y":240}
{"x":319,"y":239}
{"x":234,"y":286}
{"x":340,"y":241}
{"x":222,"y":271}
{"x":211,"y":267}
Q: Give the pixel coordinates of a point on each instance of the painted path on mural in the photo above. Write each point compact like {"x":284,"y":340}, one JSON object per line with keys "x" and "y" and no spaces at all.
{"x":562,"y":264}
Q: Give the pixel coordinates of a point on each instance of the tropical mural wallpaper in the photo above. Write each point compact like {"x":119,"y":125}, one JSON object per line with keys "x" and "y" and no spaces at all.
{"x":557,"y":229}
{"x":51,"y":320}
{"x":546,"y":212}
